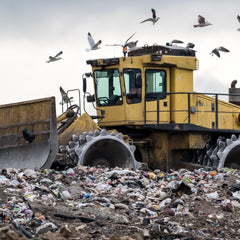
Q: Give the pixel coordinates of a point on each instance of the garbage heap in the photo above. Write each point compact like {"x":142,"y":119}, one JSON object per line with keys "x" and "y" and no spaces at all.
{"x":119,"y":204}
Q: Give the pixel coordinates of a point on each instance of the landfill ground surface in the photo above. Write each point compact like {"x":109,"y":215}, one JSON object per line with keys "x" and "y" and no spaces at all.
{"x":119,"y":204}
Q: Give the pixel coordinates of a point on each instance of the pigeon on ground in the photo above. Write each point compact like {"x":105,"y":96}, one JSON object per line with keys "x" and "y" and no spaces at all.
{"x":55,"y":58}
{"x":93,"y":45}
{"x":153,"y":19}
{"x":216,"y":51}
{"x":65,"y":98}
{"x":28,"y":136}
{"x":201,"y":22}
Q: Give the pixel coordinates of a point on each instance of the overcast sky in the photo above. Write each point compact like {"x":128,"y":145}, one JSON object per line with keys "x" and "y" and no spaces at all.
{"x":31,"y":31}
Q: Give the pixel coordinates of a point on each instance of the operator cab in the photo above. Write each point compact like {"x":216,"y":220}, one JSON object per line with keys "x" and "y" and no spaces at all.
{"x":134,"y":90}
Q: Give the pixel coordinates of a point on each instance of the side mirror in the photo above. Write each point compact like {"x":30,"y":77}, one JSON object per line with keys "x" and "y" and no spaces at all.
{"x":90,"y":98}
{"x":89,"y":74}
{"x":84,"y":84}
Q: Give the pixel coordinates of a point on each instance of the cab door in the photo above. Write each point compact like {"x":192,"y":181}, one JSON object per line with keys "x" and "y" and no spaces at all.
{"x":157,"y":101}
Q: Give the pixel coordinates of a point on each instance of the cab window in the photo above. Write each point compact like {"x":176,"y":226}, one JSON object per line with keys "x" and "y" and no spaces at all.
{"x":108,"y":88}
{"x":155,"y":84}
{"x":133,"y":85}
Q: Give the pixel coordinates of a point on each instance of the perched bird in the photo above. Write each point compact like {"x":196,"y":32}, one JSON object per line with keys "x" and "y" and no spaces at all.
{"x":201,"y":22}
{"x":93,"y":45}
{"x":173,"y":41}
{"x":65,"y":98}
{"x":154,"y":18}
{"x":216,"y":51}
{"x":233,"y":84}
{"x":176,"y":41}
{"x":27,"y":135}
{"x":55,"y":58}
{"x":190,"y":45}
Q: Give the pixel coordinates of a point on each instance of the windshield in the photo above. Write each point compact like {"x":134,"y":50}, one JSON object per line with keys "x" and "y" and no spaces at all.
{"x":108,"y":88}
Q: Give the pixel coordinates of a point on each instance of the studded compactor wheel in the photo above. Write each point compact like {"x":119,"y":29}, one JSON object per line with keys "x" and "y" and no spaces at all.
{"x":99,"y":148}
{"x":224,"y":153}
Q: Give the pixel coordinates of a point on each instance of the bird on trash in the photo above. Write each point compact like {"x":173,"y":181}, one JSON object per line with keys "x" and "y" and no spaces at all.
{"x":216,"y":51}
{"x":201,"y":22}
{"x":93,"y":45}
{"x":28,"y":136}
{"x":233,"y":84}
{"x":65,"y":98}
{"x":55,"y":58}
{"x":153,"y":19}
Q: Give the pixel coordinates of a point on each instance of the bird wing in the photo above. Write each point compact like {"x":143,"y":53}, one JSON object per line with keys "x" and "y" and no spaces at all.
{"x":97,"y":44}
{"x":149,"y":19}
{"x":129,"y":39}
{"x":223,"y":49}
{"x":58,"y":54}
{"x":201,"y":19}
{"x":132,"y":44}
{"x":63,"y":93}
{"x":153,"y":13}
{"x":91,"y":40}
{"x":215,"y":51}
{"x":238,"y":18}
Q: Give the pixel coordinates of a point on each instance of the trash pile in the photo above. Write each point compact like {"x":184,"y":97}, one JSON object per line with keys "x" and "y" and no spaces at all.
{"x":119,"y":204}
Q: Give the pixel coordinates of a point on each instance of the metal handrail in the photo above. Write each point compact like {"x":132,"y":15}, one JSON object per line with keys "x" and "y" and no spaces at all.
{"x":188,"y":110}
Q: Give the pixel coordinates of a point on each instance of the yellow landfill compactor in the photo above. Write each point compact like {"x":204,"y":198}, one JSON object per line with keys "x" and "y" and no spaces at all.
{"x":147,"y":112}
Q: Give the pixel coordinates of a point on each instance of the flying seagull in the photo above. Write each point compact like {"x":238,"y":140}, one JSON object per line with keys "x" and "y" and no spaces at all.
{"x":65,"y":98}
{"x":55,"y":58}
{"x":238,"y":18}
{"x":133,"y":46}
{"x":154,"y":18}
{"x":202,"y":22}
{"x":216,"y":51}
{"x":124,"y":44}
{"x":93,"y":45}
{"x":127,"y":46}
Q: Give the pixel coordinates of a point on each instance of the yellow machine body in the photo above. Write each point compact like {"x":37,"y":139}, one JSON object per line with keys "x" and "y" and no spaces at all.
{"x":174,"y":119}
